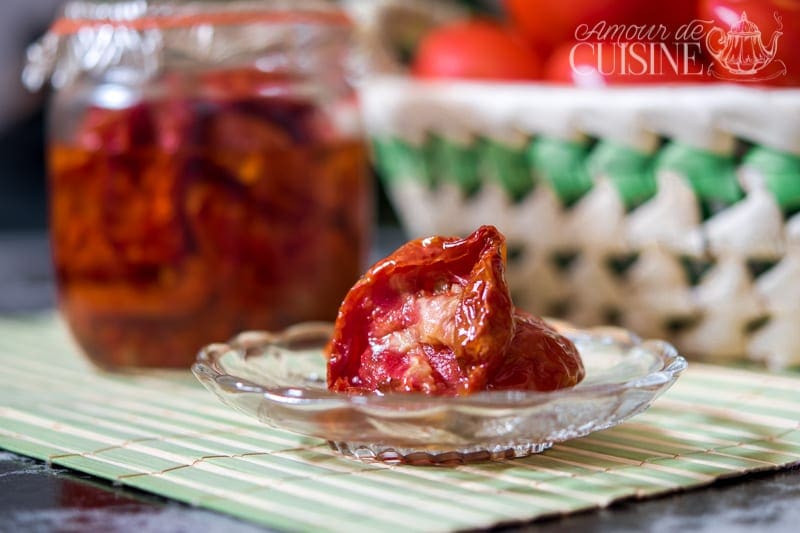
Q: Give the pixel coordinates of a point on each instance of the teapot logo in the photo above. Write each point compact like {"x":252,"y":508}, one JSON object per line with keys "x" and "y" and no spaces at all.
{"x":741,"y":53}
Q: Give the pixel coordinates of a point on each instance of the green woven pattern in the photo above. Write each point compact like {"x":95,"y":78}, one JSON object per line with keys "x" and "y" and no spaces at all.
{"x":163,"y":433}
{"x":570,"y":166}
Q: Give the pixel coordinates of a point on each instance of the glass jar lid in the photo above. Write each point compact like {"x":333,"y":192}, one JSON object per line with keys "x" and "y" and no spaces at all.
{"x":136,"y":39}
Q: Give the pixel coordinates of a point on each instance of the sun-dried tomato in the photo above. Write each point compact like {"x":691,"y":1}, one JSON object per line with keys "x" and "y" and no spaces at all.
{"x":539,"y":358}
{"x":436,"y":317}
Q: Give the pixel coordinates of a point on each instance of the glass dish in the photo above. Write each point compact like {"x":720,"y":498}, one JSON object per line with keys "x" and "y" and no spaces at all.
{"x":280,"y":378}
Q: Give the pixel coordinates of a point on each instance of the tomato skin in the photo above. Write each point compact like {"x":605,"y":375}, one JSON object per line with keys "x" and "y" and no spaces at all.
{"x":478,"y":50}
{"x":529,"y":363}
{"x":601,"y":64}
{"x":724,"y":13}
{"x":436,"y":317}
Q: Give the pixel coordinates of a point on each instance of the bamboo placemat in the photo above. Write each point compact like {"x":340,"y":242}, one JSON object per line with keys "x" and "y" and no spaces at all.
{"x":165,"y":434}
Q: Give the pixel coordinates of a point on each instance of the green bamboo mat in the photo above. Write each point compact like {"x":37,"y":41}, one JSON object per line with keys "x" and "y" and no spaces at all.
{"x":165,"y":434}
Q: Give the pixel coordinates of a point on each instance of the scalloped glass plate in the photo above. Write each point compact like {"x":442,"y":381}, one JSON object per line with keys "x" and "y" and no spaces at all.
{"x":280,"y":378}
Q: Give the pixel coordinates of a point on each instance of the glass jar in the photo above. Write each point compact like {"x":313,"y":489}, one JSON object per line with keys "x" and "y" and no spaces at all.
{"x":207,"y":172}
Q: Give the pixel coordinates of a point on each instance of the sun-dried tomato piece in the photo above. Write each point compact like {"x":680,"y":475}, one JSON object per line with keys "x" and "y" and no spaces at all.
{"x":116,"y":130}
{"x":436,"y":317}
{"x":432,"y":317}
{"x":539,"y":358}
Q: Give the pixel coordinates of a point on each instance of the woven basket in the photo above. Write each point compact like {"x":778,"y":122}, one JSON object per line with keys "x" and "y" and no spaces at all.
{"x":672,"y":211}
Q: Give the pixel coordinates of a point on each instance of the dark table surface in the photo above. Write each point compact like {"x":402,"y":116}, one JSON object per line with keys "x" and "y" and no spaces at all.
{"x":35,"y":497}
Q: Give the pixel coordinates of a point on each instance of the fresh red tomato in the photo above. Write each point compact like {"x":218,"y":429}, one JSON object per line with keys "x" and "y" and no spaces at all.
{"x":673,"y":15}
{"x":593,"y":64}
{"x":475,"y":49}
{"x":764,"y":14}
{"x":548,"y":23}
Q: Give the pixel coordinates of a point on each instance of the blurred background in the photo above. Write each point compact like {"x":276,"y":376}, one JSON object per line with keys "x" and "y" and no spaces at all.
{"x":586,"y":194}
{"x":22,"y":169}
{"x":25,"y":266}
{"x":547,"y":25}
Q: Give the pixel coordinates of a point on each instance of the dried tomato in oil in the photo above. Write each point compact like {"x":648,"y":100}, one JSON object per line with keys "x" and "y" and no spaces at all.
{"x":436,"y":317}
{"x":186,"y":218}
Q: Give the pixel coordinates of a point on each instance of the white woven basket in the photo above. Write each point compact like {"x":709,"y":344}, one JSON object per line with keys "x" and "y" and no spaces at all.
{"x":717,"y":275}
